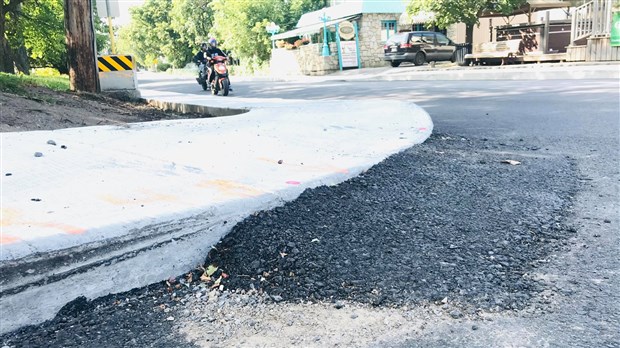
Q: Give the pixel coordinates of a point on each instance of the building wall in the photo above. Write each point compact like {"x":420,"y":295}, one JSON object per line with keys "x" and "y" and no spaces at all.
{"x":484,"y":33}
{"x":306,"y":60}
{"x":371,"y":47}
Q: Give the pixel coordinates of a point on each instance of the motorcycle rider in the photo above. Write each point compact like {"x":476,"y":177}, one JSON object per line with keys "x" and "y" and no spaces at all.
{"x":211,"y":52}
{"x":200,"y":58}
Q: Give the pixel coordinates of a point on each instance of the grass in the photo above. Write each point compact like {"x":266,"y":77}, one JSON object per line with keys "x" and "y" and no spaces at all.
{"x":18,"y":84}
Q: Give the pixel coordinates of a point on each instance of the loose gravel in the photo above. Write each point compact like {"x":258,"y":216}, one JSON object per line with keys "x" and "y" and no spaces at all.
{"x":442,"y":229}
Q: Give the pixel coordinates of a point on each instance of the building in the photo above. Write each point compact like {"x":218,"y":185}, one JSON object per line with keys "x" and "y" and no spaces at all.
{"x":349,"y":34}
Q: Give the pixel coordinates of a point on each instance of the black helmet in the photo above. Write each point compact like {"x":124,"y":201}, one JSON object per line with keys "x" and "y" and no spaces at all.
{"x":204,"y":45}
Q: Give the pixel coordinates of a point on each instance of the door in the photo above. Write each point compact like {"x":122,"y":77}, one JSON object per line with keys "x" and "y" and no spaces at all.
{"x":444,"y":47}
{"x":428,"y":45}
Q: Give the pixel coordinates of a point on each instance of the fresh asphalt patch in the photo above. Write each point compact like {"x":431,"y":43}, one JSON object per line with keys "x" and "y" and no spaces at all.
{"x":447,"y":219}
{"x":444,"y":221}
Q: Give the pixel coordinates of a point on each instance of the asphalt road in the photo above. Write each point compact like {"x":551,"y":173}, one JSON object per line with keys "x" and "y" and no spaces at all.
{"x":527,"y":254}
{"x":565,"y":112}
{"x":575,"y":121}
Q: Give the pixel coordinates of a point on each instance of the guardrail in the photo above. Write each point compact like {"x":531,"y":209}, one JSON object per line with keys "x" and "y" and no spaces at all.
{"x":592,"y":19}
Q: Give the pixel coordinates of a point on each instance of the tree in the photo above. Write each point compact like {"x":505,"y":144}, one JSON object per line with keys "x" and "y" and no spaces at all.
{"x":174,"y":28}
{"x":42,"y":26}
{"x":241,"y":24}
{"x":449,"y":12}
{"x":151,"y":35}
{"x":9,"y":14}
{"x":80,"y":39}
{"x":192,"y":20}
{"x":33,"y":35}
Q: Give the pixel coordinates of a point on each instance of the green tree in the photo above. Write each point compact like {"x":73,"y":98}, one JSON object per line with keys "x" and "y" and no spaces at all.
{"x":32,"y":34}
{"x":449,"y":12}
{"x":241,"y":24}
{"x":10,"y":11}
{"x":174,"y":28}
{"x":192,"y":20}
{"x":42,"y":24}
{"x":151,"y":35}
{"x":298,"y":7}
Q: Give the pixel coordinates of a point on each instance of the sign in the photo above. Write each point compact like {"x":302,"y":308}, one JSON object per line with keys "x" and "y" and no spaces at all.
{"x":346,"y":30}
{"x":114,"y":63}
{"x":348,"y":52}
{"x":615,"y":29}
{"x":108,"y":8}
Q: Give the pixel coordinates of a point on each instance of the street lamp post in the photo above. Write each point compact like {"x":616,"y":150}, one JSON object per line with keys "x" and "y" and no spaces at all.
{"x":325,"y":18}
{"x":273,"y":29}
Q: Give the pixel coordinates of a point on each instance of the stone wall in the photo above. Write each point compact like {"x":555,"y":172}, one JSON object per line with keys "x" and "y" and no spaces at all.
{"x":371,"y":47}
{"x":306,"y":60}
{"x":311,"y":62}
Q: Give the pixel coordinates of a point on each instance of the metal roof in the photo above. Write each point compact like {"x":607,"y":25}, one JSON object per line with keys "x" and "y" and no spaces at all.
{"x":309,"y":29}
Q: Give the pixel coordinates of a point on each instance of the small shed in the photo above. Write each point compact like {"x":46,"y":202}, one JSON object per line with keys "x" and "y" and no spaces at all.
{"x":346,"y":36}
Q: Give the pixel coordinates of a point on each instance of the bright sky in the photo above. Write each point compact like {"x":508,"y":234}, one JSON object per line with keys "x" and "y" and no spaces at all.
{"x":124,"y":6}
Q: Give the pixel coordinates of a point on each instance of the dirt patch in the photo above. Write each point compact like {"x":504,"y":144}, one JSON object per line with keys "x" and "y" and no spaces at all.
{"x":43,"y":109}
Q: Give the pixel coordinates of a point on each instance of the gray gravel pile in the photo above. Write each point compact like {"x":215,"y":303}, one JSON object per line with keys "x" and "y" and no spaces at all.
{"x":445,"y":222}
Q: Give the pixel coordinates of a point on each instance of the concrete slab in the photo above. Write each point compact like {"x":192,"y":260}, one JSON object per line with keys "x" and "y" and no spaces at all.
{"x":111,"y":208}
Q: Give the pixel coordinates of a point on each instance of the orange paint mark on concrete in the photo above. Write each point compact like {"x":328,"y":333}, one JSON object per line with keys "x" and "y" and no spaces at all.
{"x":8,"y":217}
{"x":116,"y":200}
{"x":69,"y":229}
{"x":12,"y":217}
{"x":231,"y":188}
{"x":141,"y":197}
{"x":5,"y":239}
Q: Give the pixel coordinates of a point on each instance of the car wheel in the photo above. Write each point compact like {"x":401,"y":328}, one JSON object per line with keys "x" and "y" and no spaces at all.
{"x":395,"y":64}
{"x":419,"y":59}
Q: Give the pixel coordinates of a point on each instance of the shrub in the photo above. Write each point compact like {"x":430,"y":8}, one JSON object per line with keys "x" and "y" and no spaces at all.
{"x":45,"y":72}
{"x":163,"y":67}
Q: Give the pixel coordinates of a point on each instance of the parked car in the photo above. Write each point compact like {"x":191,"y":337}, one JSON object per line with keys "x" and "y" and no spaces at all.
{"x":418,"y":47}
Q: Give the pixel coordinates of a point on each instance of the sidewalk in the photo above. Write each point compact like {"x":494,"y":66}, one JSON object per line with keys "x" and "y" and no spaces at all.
{"x":449,"y":71}
{"x":120,"y":207}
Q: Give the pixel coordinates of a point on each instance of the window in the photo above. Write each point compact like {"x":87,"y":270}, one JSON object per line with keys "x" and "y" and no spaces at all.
{"x":388,"y":28}
{"x":396,"y":39}
{"x":428,"y":38}
{"x":442,"y":40}
{"x":415,"y":38}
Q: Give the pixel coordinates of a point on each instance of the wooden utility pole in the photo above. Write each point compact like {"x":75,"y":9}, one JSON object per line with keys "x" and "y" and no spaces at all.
{"x":81,"y":50}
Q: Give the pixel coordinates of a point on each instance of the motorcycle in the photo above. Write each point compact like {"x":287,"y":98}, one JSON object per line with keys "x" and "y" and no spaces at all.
{"x":220,"y":81}
{"x":203,"y":76}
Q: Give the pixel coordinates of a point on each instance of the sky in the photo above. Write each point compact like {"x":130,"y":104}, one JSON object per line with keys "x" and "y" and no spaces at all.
{"x":123,"y":6}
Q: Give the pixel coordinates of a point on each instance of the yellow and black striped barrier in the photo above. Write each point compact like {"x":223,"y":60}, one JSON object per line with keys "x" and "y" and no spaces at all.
{"x":117,"y":72}
{"x":115,"y":63}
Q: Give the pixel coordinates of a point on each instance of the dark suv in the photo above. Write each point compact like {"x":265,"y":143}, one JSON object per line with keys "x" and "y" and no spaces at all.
{"x":418,"y":47}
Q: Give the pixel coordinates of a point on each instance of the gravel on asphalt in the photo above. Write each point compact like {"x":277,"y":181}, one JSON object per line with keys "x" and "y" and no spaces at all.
{"x":446,"y":223}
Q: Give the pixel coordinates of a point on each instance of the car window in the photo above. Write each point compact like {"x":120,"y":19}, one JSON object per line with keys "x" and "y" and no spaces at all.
{"x":415,"y":38}
{"x":442,"y":40}
{"x":428,"y":38}
{"x":396,"y":39}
